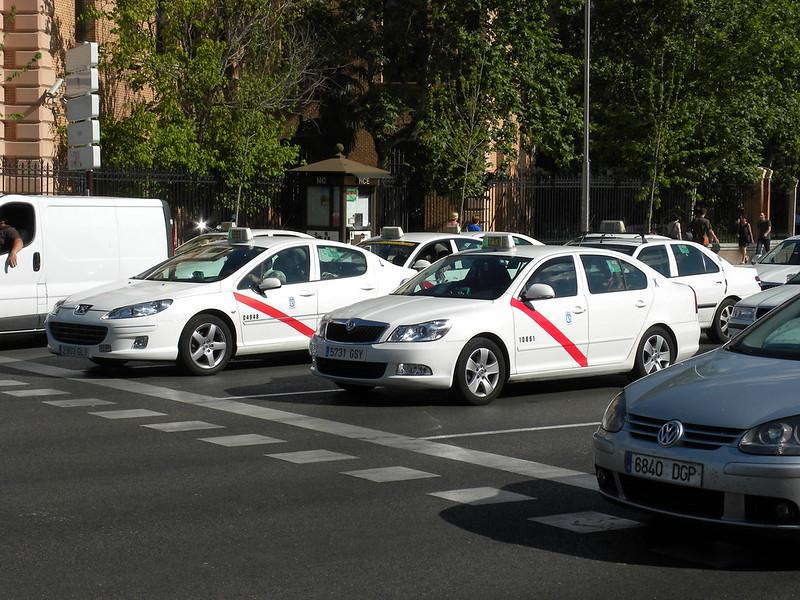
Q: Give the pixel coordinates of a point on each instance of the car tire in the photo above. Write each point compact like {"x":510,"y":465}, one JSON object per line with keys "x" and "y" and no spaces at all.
{"x":718,"y":332}
{"x":656,"y":351}
{"x":205,"y":346}
{"x":108,"y":363}
{"x":354,"y":388}
{"x":481,"y":372}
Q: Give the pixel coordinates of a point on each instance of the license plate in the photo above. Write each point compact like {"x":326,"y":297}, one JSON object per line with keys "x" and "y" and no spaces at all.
{"x":345,"y":353}
{"x":663,"y":469}
{"x":77,"y":351}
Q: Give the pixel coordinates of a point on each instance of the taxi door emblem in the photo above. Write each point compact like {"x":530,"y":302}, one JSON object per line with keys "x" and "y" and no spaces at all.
{"x":568,"y":317}
{"x":291,"y":301}
{"x":82,"y":309}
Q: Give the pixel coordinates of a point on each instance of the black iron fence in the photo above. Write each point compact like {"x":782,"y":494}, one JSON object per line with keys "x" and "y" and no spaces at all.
{"x":547,"y":208}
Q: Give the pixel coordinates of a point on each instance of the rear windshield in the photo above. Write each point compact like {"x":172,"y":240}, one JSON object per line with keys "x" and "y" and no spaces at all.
{"x":395,"y":252}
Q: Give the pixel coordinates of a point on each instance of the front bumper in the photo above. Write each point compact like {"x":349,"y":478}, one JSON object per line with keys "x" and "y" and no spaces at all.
{"x":380,"y":362}
{"x":736,"y":488}
{"x":88,"y":336}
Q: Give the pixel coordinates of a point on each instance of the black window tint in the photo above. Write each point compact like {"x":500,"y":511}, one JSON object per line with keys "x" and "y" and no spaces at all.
{"x":634,"y":278}
{"x":468,"y":244}
{"x":711,"y":265}
{"x":518,"y":241}
{"x":657,"y":258}
{"x":20,"y":216}
{"x":558,"y":273}
{"x":689,"y":259}
{"x":603,"y":274}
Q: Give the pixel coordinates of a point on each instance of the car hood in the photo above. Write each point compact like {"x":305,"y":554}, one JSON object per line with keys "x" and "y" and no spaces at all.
{"x":407,"y":310}
{"x":132,"y":291}
{"x":771,"y":297}
{"x":776,"y":273}
{"x":721,"y":389}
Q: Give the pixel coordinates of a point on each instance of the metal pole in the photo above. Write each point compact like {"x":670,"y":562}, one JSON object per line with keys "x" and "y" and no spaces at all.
{"x":585,"y":171}
{"x":90,"y":183}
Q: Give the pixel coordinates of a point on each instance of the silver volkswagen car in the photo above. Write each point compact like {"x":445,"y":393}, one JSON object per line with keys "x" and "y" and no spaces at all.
{"x":715,"y":438}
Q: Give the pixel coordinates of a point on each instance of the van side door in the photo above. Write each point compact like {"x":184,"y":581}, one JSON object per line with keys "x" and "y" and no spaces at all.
{"x":23,"y":301}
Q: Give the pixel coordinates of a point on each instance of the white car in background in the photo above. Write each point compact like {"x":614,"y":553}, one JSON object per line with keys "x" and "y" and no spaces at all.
{"x":718,"y":284}
{"x":220,"y":236}
{"x":520,"y":239}
{"x":476,"y":319}
{"x":221,"y":300}
{"x":780,"y":264}
{"x":417,"y":250}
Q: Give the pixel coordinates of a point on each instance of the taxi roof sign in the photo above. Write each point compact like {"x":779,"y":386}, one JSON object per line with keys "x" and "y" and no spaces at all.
{"x":498,"y":241}
{"x":391,"y":233}
{"x":240,"y":234}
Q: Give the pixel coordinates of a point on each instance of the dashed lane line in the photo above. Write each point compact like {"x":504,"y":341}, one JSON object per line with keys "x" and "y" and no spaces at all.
{"x":182,"y":426}
{"x":35,"y":393}
{"x":508,"y":464}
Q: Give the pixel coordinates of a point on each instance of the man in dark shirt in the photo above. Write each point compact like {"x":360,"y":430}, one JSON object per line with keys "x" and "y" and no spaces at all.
{"x":764,"y":232}
{"x":702,"y":233}
{"x":10,"y":242}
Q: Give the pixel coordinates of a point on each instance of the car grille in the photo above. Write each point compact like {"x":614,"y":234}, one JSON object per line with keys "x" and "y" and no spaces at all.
{"x":697,"y":502}
{"x":760,"y":312}
{"x":359,"y":334}
{"x":82,"y":335}
{"x":695,"y":436}
{"x":348,"y":368}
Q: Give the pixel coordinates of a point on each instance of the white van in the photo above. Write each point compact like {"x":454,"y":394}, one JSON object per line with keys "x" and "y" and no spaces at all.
{"x":73,"y":243}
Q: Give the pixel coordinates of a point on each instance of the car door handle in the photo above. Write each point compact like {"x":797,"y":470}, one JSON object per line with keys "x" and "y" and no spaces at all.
{"x":578,"y":310}
{"x":641,"y":304}
{"x":306,"y":294}
{"x":717,"y":283}
{"x":37,"y":261}
{"x":368,"y":289}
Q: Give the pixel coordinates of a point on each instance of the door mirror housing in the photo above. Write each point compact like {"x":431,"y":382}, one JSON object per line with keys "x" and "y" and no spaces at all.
{"x":270,"y":283}
{"x":538,"y":291}
{"x":421,"y":265}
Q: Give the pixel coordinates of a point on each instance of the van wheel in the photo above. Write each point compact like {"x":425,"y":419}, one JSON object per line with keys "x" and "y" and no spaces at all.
{"x":354,"y":388}
{"x":205,"y":346}
{"x":718,"y":332}
{"x":108,"y":363}
{"x":480,"y":372}
{"x":656,"y":351}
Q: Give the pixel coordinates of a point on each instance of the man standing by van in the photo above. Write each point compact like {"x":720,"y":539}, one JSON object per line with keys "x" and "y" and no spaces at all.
{"x":10,"y":241}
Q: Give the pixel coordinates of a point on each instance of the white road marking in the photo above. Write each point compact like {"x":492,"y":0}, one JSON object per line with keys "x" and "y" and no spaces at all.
{"x":385,"y":474}
{"x":10,"y":382}
{"x":246,"y":439}
{"x":32,"y":393}
{"x":517,"y":466}
{"x":278,"y":394}
{"x":501,"y":431}
{"x":133,"y":413}
{"x":311,"y":456}
{"x":481,"y":495}
{"x":77,"y":402}
{"x":183,"y":426}
{"x":586,"y":522}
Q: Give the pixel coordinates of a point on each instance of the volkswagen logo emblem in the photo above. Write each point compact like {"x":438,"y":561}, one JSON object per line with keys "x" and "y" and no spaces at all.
{"x":670,"y":433}
{"x":350,"y":325}
{"x":82,"y":309}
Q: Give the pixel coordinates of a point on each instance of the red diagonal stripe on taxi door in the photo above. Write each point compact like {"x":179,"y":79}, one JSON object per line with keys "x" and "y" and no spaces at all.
{"x":553,"y":332}
{"x":273,"y":312}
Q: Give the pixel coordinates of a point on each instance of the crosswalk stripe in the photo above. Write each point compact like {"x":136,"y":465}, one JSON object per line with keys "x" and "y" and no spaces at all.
{"x":246,"y":439}
{"x":35,"y":393}
{"x":589,"y":521}
{"x":182,"y":426}
{"x":311,"y":456}
{"x":133,"y":413}
{"x":77,"y":402}
{"x":481,"y":495}
{"x":386,"y":474}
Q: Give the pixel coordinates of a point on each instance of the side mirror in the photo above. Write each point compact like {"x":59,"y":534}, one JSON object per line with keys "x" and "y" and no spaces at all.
{"x":421,"y":265}
{"x":270,"y":283}
{"x":538,"y":291}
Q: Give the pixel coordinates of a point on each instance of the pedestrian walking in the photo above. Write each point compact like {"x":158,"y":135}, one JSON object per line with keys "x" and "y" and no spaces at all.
{"x":764,"y":227}
{"x":701,"y":229}
{"x":674,"y":227}
{"x":10,"y":241}
{"x":745,"y":236}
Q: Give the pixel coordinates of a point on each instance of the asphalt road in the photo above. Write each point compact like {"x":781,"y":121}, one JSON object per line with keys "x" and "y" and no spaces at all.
{"x":264,"y":482}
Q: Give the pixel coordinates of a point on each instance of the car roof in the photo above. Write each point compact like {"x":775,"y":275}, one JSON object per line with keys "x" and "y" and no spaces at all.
{"x":416,"y":236}
{"x":544,"y":251}
{"x":631,"y":239}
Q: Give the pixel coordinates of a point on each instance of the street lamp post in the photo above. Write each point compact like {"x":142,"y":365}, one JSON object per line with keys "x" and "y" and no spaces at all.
{"x":585,"y":170}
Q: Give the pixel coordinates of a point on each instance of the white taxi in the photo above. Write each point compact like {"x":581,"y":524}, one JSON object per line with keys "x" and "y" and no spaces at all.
{"x":476,"y":319}
{"x":417,"y":250}
{"x":221,"y":300}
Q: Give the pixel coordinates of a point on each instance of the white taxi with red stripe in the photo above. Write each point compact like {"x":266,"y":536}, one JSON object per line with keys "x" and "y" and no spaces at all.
{"x":474,"y":320}
{"x":221,"y":300}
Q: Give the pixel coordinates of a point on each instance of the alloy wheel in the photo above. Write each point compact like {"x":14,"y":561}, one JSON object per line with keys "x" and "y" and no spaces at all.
{"x":482,"y":372}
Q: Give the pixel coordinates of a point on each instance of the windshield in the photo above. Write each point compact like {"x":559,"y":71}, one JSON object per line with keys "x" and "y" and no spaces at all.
{"x":206,"y":264}
{"x":624,"y":248}
{"x":200,"y":240}
{"x":395,"y":252}
{"x":476,"y":277}
{"x":776,"y":335}
{"x":785,"y":253}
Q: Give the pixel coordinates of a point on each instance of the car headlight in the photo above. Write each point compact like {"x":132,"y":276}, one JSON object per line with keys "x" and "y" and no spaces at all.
{"x":779,"y":438}
{"x":144,"y":309}
{"x":745,"y":313}
{"x":421,"y":332}
{"x":322,"y":328}
{"x":614,"y":417}
{"x":57,"y":307}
